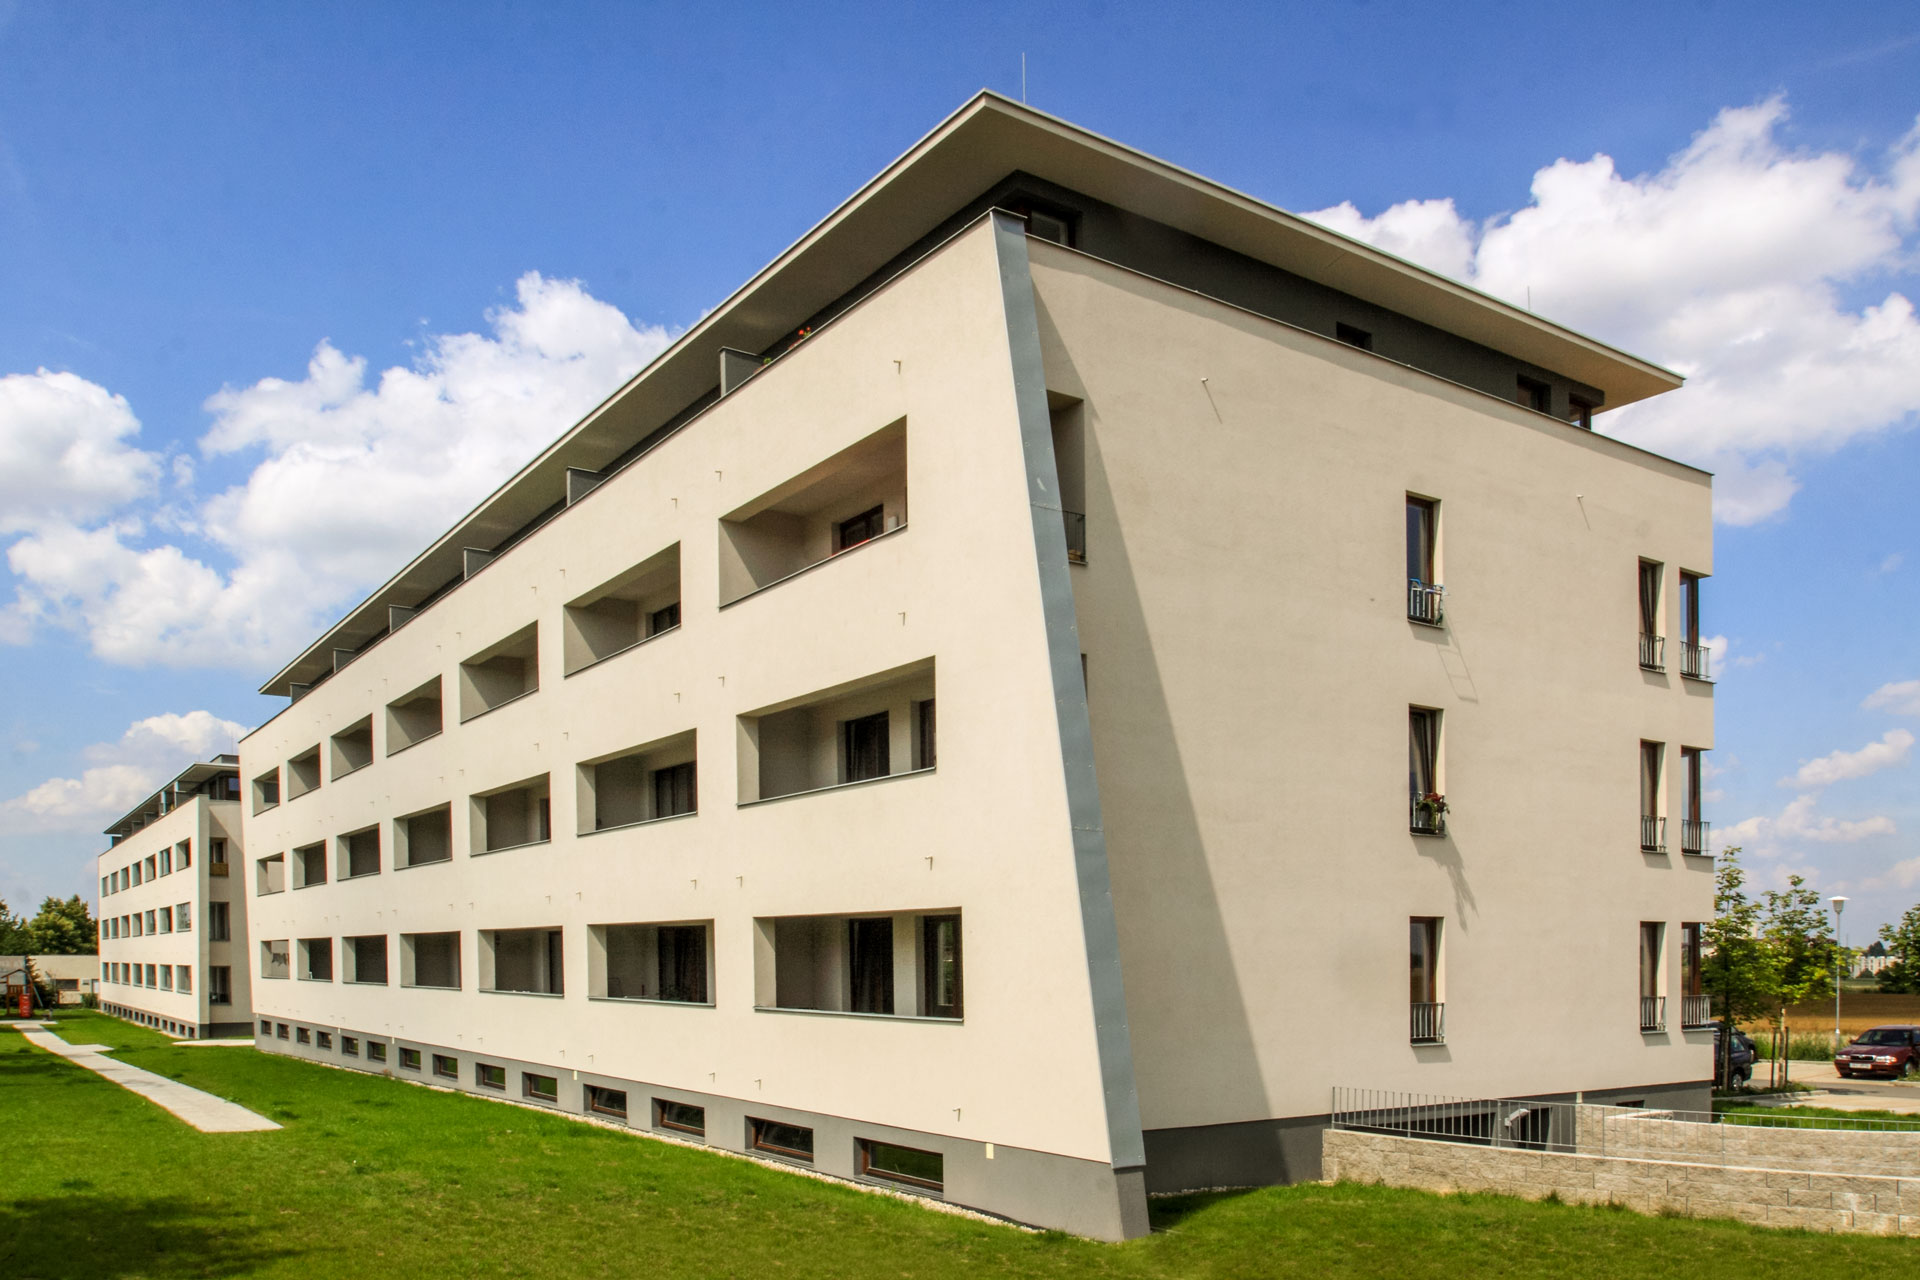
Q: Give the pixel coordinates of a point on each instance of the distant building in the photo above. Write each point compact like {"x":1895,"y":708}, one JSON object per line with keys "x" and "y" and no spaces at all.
{"x":173,"y":919}
{"x":70,"y":976}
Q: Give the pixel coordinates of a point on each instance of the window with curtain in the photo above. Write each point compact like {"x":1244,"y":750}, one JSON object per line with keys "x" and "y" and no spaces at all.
{"x":1423,"y":744}
{"x":1649,"y":959}
{"x":1650,"y":779}
{"x":870,"y":962}
{"x":1690,"y":784}
{"x":1649,"y":598}
{"x":1690,"y":607}
{"x":1423,"y":947}
{"x":1690,"y":984}
{"x":864,"y":748}
{"x":940,"y":966}
{"x":1421,"y":514}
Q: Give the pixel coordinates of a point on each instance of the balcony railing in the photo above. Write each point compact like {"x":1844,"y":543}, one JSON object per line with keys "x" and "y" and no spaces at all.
{"x":1694,"y":661}
{"x":1693,"y":837}
{"x":1653,"y":1013}
{"x":1424,"y":818}
{"x":1427,"y":1023}
{"x":1076,"y":523}
{"x":1696,"y":1011}
{"x":1653,"y":652}
{"x":1653,"y":834}
{"x":1423,"y":602}
{"x":217,"y":868}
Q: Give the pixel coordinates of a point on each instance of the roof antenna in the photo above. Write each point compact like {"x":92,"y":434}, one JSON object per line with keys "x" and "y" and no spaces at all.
{"x":1023,"y":77}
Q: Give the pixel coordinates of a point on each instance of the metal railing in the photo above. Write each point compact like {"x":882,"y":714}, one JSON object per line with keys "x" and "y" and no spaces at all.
{"x":1653,"y":652}
{"x":1693,"y":835}
{"x":1694,"y":660}
{"x":1076,"y":524}
{"x":1427,"y":1023}
{"x":1653,"y":1013}
{"x":1424,"y":601}
{"x":1696,"y":1011}
{"x":1653,"y":834}
{"x":1425,"y":821}
{"x":217,"y":869}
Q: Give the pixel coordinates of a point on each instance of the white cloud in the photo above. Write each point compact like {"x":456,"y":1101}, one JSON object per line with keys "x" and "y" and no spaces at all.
{"x":1727,"y":264}
{"x":122,"y":773}
{"x":1839,"y":766}
{"x":64,"y":451}
{"x":1902,"y":697}
{"x":1768,"y":837}
{"x":1892,"y":562}
{"x":355,"y":476}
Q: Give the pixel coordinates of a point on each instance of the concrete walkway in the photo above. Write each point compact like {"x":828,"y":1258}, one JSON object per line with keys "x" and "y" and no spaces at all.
{"x":202,"y":1110}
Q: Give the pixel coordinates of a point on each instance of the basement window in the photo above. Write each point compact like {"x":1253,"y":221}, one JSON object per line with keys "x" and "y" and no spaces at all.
{"x":446,"y":1066}
{"x":280,"y":1031}
{"x":350,"y":1046}
{"x":409,"y":1059}
{"x":430,"y":960}
{"x":607,"y":1102}
{"x":512,"y":817}
{"x":359,"y":853}
{"x":877,"y":727}
{"x":414,"y":717}
{"x":623,"y":612}
{"x":681,"y":1117}
{"x":309,"y":866}
{"x":522,"y":961}
{"x":377,"y":1052}
{"x":668,"y":962}
{"x":352,"y":748}
{"x":323,"y":1040}
{"x":501,"y":673}
{"x":488,"y":1076}
{"x":538,"y":1087}
{"x":303,"y":773}
{"x":795,"y":1142}
{"x":302,"y":1036}
{"x":640,"y":784}
{"x":910,"y":1166}
{"x":424,"y":837}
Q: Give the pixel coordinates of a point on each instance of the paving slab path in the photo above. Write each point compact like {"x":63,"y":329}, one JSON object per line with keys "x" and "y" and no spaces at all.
{"x":198,"y":1108}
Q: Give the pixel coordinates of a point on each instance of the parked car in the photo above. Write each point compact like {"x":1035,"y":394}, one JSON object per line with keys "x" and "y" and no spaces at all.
{"x":1880,"y":1051}
{"x":1742,"y":1054}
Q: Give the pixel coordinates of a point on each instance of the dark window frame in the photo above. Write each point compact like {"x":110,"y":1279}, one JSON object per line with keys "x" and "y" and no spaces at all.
{"x":668,"y":1113}
{"x":595,"y":1098}
{"x":859,"y":529}
{"x":931,"y":963}
{"x":866,"y":747}
{"x":760,"y":1138}
{"x":864,"y":1162}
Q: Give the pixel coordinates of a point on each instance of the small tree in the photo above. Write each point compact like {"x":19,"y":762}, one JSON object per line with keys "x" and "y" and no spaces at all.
{"x":1739,"y":968}
{"x":64,"y":927}
{"x":1901,"y":940}
{"x":13,"y":935}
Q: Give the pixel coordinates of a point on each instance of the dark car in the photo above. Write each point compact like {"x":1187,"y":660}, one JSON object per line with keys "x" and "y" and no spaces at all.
{"x":1881,"y":1051}
{"x":1739,"y":1068}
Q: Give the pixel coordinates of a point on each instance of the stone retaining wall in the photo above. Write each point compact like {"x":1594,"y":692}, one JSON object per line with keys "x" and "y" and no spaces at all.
{"x":1820,"y":1201}
{"x":1882,"y":1153}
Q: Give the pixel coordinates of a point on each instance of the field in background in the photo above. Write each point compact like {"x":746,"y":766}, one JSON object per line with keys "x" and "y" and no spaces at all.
{"x":1810,"y":1025}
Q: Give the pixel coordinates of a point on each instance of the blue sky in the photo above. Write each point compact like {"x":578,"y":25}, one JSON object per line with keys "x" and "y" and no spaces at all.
{"x":194,"y":199}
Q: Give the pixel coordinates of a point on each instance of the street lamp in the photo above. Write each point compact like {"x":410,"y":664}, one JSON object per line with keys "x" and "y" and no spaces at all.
{"x":1839,"y":948}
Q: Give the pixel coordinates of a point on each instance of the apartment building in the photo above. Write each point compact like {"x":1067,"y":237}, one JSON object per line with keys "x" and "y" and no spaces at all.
{"x":173,"y":918}
{"x":1197,"y":523}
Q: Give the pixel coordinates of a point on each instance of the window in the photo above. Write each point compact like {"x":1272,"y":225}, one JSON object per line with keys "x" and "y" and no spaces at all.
{"x":1423,"y":946}
{"x":789,"y":1140}
{"x":1427,"y":806}
{"x":183,"y":855}
{"x":274,"y":959}
{"x":350,"y":1046}
{"x":864,"y":748}
{"x":1580,"y":413}
{"x":1695,"y":1010}
{"x":855,"y":530}
{"x":890,"y":1163}
{"x":1693,"y":828}
{"x":512,"y":817}
{"x":622,"y":613}
{"x":266,"y":791}
{"x":1423,"y":587}
{"x":664,"y":619}
{"x":216,"y":854}
{"x":409,"y":1059}
{"x":607,"y":1102}
{"x":219,"y":984}
{"x":850,"y":964}
{"x":870,"y":955}
{"x":266,"y":1028}
{"x":309,"y":866}
{"x":316,"y":959}
{"x":303,"y":773}
{"x":302,"y":1036}
{"x":183,"y":979}
{"x":538,"y":1087}
{"x":940,"y":966}
{"x":166,"y":977}
{"x":1534,"y":394}
{"x":673,"y":790}
{"x":280,"y":1030}
{"x":219,"y":922}
{"x":323,"y":1039}
{"x":649,"y":962}
{"x":430,"y":960}
{"x":1049,"y":226}
{"x":1353,"y":337}
{"x":366,"y":959}
{"x":640,"y":784}
{"x":524,"y":961}
{"x":1653,"y":1011}
{"x":352,"y":747}
{"x":488,"y":1076}
{"x":166,"y":862}
{"x":153,"y":926}
{"x":183,"y":917}
{"x":925,"y":743}
{"x":501,"y":673}
{"x":1653,"y":833}
{"x":1652,"y":644}
{"x":422,"y":838}
{"x":360,"y":854}
{"x":377,"y":1052}
{"x":446,"y":1066}
{"x":166,"y":919}
{"x":1693,"y":655}
{"x":414,"y":717}
{"x":270,"y":874}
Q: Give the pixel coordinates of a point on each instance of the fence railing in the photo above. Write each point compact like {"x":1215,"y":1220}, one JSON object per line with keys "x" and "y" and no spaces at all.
{"x":1424,"y":819}
{"x":1653,"y":834}
{"x":1653,"y":1013}
{"x":1694,"y":660}
{"x":1076,"y":524}
{"x":1653,"y":652}
{"x":1424,"y":603}
{"x":1693,"y":835}
{"x":1428,"y":1023}
{"x":1696,"y":1011}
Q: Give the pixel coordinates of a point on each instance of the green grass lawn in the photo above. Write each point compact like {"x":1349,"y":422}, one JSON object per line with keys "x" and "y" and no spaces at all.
{"x":1827,"y":1117}
{"x":375,"y":1178}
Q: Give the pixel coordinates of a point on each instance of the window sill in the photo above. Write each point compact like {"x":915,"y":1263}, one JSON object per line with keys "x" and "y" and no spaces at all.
{"x":432,"y":862}
{"x":538,"y":995}
{"x":643,"y":822}
{"x":805,"y":569}
{"x":359,"y":875}
{"x":317,"y":884}
{"x":348,"y":773}
{"x":624,"y":649}
{"x":682,"y":1004}
{"x":292,"y":797}
{"x":310,"y":978}
{"x":849,"y":1013}
{"x":487,"y":711}
{"x":1696,"y":679}
{"x":506,"y":848}
{"x":265,"y":808}
{"x":419,"y":986}
{"x":425,"y":737}
{"x":834,"y":786}
{"x":268,"y":893}
{"x":359,"y":982}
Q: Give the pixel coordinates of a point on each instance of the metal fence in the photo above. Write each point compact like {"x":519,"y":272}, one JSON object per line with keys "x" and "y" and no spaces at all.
{"x":1693,"y":835}
{"x":1653,"y":834}
{"x":1694,"y":660}
{"x":1653,"y":652}
{"x":1424,"y":602}
{"x":1427,"y":1023}
{"x":1076,"y":526}
{"x":1653,"y":1013}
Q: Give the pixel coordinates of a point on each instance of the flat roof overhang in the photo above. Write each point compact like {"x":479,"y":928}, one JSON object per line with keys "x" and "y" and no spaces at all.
{"x":984,"y":142}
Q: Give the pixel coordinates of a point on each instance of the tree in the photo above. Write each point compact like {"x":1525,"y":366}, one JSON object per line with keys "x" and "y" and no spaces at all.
{"x":13,"y":936}
{"x":1800,"y":933}
{"x":64,"y":927}
{"x":1902,"y":941}
{"x":1739,"y":968}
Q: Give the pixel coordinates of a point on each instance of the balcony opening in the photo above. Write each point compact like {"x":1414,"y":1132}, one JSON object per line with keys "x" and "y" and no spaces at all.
{"x":364,"y":959}
{"x":430,"y":960}
{"x":1427,"y":805}
{"x":316,"y":959}
{"x":898,"y":965}
{"x":309,"y":865}
{"x":501,"y":673}
{"x":878,"y":727}
{"x":521,"y":961}
{"x":274,"y":962}
{"x":270,"y":875}
{"x":1693,"y":655}
{"x":1068,"y":421}
{"x":352,"y":748}
{"x":641,"y":784}
{"x":1653,"y":644}
{"x":359,"y":853}
{"x":512,"y":817}
{"x":303,"y":773}
{"x":266,"y":791}
{"x":414,"y":717}
{"x":423,"y":837}
{"x":617,"y":615}
{"x":1653,"y":827}
{"x":1653,"y":1003}
{"x":1424,"y":593}
{"x":1427,"y":1011}
{"x":667,"y":962}
{"x":849,"y":500}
